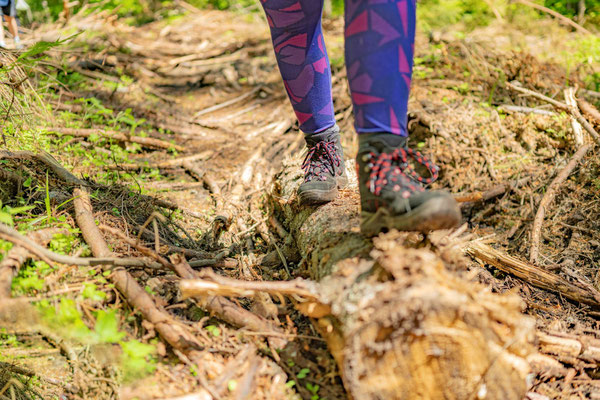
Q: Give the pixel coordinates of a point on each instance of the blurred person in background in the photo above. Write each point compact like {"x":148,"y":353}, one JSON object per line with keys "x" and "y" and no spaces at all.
{"x":9,"y":10}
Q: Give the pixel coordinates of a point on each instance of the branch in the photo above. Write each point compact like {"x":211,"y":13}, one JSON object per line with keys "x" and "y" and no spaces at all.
{"x":12,"y":235}
{"x":531,"y":274}
{"x":555,"y":14}
{"x":574,"y":111}
{"x":549,"y":196}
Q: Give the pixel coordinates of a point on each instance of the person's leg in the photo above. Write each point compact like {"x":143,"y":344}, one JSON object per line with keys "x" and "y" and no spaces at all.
{"x":302,"y":59}
{"x":380,"y":39}
{"x":14,"y":30}
{"x":2,"y":42}
{"x":304,"y":66}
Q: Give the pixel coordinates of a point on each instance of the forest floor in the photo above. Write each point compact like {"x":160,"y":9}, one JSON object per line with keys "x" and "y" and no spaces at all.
{"x":205,"y":86}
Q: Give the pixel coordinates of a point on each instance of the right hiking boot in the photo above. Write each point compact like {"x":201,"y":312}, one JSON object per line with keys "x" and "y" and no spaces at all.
{"x":393,"y":194}
{"x":324,"y":168}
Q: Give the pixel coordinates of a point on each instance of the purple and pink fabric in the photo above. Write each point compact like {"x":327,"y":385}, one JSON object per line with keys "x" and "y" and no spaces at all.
{"x":379,"y":38}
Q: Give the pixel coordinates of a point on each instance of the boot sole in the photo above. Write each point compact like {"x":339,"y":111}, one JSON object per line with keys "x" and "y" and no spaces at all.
{"x":437,"y":213}
{"x":318,"y":196}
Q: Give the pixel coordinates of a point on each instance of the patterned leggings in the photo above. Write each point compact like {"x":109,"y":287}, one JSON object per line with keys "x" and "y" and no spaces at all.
{"x":379,"y":38}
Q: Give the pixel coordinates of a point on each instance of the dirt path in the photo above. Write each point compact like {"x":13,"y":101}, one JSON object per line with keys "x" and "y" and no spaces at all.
{"x":207,"y":82}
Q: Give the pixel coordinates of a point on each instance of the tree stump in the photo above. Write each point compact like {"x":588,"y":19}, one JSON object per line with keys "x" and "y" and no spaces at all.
{"x":399,"y":319}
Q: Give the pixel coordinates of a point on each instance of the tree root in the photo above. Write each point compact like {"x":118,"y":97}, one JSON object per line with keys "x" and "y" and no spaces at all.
{"x":144,"y":141}
{"x":16,"y":256}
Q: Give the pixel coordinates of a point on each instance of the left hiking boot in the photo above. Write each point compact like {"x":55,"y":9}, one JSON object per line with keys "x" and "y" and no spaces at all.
{"x":324,"y":168}
{"x":393,"y":194}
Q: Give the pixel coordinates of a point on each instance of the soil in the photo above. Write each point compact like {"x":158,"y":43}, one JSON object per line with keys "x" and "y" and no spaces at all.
{"x":227,"y":104}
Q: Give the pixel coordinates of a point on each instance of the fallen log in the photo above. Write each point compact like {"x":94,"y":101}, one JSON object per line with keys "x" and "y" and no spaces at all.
{"x":398,"y":322}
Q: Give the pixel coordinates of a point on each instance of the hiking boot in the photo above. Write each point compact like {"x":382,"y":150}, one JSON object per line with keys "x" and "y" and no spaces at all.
{"x":324,"y":169}
{"x":392,"y":193}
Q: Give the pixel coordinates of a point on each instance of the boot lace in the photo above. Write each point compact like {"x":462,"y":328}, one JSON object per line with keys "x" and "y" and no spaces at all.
{"x":392,"y":167}
{"x":321,"y":159}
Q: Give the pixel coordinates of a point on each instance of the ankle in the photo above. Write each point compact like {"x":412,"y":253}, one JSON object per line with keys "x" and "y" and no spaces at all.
{"x":327,"y":134}
{"x":381,"y":140}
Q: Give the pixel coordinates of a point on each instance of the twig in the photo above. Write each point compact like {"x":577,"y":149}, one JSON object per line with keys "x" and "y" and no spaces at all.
{"x":144,"y":141}
{"x":9,"y":234}
{"x":559,"y":16}
{"x":530,"y":273}
{"x":574,"y":111}
{"x":525,"y":110}
{"x":549,"y":196}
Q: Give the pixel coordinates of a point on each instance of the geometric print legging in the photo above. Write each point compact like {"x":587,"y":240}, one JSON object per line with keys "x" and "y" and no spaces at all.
{"x":379,"y":47}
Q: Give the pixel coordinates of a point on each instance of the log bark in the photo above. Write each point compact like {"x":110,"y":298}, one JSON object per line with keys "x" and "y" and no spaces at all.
{"x":402,"y":323}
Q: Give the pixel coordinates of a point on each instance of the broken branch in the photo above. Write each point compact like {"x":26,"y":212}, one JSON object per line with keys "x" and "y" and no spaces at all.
{"x":530,"y":273}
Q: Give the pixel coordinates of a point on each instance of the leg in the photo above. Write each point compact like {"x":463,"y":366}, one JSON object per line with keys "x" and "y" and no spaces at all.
{"x":380,"y":39}
{"x":2,"y":42}
{"x":11,"y":20}
{"x":304,"y":66}
{"x":12,"y":26}
{"x":302,"y":58}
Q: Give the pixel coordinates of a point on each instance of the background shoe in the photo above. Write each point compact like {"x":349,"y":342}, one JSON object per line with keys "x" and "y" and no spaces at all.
{"x":324,"y":168}
{"x":392,"y":193}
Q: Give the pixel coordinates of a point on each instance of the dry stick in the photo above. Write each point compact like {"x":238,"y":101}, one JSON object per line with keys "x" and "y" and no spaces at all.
{"x":173,"y":332}
{"x":16,"y":256}
{"x":588,"y":109}
{"x":531,"y":274}
{"x":144,"y":141}
{"x":233,"y":287}
{"x":574,"y":111}
{"x":577,"y":129}
{"x":536,"y":232}
{"x":525,"y":110}
{"x":12,"y":235}
{"x":557,"y":15}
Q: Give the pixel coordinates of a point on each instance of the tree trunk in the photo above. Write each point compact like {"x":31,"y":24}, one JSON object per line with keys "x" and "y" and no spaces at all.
{"x":400,"y":321}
